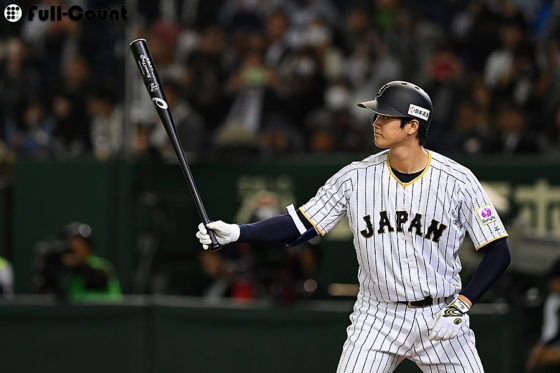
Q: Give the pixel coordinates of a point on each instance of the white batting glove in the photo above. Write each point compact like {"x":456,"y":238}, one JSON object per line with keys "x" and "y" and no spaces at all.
{"x":225,"y":233}
{"x":448,"y":321}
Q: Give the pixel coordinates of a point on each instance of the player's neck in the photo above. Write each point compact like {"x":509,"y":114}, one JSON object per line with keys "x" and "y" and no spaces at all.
{"x":408,"y":158}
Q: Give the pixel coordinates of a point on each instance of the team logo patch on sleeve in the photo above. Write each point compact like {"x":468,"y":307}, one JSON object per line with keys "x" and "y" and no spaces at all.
{"x":486,"y":214}
{"x":418,"y":112}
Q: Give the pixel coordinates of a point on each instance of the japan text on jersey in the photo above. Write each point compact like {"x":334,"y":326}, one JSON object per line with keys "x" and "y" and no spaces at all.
{"x":407,"y":235}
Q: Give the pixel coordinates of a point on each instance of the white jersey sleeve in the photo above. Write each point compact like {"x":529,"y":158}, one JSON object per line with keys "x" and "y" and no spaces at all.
{"x":479,"y":215}
{"x":329,"y":206}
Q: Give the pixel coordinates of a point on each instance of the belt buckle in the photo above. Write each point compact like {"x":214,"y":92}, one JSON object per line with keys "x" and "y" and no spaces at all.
{"x":410,"y":305}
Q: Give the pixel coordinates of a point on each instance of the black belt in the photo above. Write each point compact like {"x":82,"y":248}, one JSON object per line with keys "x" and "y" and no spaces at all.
{"x":428,"y":301}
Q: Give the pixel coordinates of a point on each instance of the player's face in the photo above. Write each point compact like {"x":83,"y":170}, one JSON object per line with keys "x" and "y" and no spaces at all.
{"x":387,"y":131}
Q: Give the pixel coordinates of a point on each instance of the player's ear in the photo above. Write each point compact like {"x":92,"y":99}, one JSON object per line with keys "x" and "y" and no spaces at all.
{"x":413,"y":128}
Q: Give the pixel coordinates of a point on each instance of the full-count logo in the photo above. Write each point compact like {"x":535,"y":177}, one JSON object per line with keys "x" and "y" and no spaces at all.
{"x":12,"y":13}
{"x":485,"y":214}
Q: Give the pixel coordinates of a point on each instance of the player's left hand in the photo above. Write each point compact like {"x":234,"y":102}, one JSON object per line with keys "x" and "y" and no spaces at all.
{"x":448,"y":321}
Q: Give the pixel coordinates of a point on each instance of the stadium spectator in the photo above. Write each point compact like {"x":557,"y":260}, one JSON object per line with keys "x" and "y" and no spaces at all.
{"x":277,"y":46}
{"x":31,"y":135}
{"x":498,"y":66}
{"x":477,"y":33}
{"x":303,"y":263}
{"x":163,"y":39}
{"x":70,"y":107}
{"x":318,"y":37}
{"x":304,"y":84}
{"x":72,"y":139}
{"x":357,"y":48}
{"x":510,"y":70}
{"x":19,"y":78}
{"x":254,"y":88}
{"x":55,"y":44}
{"x":190,"y":126}
{"x":403,"y":42}
{"x":356,"y":24}
{"x":469,"y":133}
{"x":481,"y":97}
{"x":382,"y":65}
{"x":302,"y":12}
{"x":279,"y":136}
{"x":332,"y":127}
{"x":106,"y":130}
{"x":513,"y":135}
{"x":445,"y":80}
{"x":208,"y":66}
{"x":216,"y":283}
{"x":547,"y":86}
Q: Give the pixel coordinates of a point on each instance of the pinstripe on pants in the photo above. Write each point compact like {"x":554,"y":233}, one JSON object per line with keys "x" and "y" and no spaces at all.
{"x":382,"y":335}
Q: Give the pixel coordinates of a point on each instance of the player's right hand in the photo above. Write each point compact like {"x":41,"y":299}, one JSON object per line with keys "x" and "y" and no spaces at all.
{"x":449,"y":321}
{"x":225,"y":233}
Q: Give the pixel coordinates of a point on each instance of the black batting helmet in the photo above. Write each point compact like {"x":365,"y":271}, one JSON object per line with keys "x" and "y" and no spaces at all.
{"x":404,"y":100}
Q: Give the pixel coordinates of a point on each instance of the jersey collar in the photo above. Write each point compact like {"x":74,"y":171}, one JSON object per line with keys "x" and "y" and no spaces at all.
{"x":404,"y":185}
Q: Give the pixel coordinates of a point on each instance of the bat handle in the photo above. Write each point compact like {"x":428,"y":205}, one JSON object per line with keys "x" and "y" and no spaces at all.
{"x":214,"y":246}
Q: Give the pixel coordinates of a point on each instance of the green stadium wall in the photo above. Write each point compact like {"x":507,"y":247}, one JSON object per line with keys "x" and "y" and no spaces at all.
{"x":169,"y":335}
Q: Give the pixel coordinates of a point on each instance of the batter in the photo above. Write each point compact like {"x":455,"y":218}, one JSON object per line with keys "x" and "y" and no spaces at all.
{"x":409,"y":210}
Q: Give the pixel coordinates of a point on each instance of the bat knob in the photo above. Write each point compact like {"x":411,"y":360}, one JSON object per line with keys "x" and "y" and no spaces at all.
{"x":215,"y":247}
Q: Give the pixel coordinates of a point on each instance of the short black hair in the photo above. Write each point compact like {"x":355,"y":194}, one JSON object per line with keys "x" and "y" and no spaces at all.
{"x":422,"y":131}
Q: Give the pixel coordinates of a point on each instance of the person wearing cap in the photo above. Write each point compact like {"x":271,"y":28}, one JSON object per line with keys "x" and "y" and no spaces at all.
{"x":547,"y":350}
{"x":90,"y":277}
{"x":409,"y":209}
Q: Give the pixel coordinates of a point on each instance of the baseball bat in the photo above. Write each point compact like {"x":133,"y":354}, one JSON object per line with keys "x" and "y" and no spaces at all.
{"x":147,"y":67}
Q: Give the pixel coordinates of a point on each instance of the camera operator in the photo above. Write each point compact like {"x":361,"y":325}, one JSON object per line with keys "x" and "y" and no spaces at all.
{"x":69,"y":269}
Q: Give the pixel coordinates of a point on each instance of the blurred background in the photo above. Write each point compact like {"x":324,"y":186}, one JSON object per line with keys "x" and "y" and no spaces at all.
{"x":99,"y":266}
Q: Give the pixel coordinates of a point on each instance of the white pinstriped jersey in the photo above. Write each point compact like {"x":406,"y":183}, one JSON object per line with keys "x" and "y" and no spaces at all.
{"x":407,"y":235}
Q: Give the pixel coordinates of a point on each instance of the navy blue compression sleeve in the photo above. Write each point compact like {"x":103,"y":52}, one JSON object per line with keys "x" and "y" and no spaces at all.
{"x":496,"y":259}
{"x":280,"y":228}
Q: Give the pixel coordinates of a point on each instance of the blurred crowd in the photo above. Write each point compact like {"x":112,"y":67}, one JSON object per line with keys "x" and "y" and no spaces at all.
{"x":279,"y":77}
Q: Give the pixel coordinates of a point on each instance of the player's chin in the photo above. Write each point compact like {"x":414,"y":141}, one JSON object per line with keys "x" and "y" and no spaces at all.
{"x":379,"y":142}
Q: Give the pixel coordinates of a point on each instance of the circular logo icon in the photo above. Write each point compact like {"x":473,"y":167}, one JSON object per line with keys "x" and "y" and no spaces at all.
{"x":160,"y":102}
{"x":13,"y":13}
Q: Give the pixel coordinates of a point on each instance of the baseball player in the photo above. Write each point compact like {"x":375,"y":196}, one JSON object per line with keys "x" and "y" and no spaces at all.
{"x":409,"y":210}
